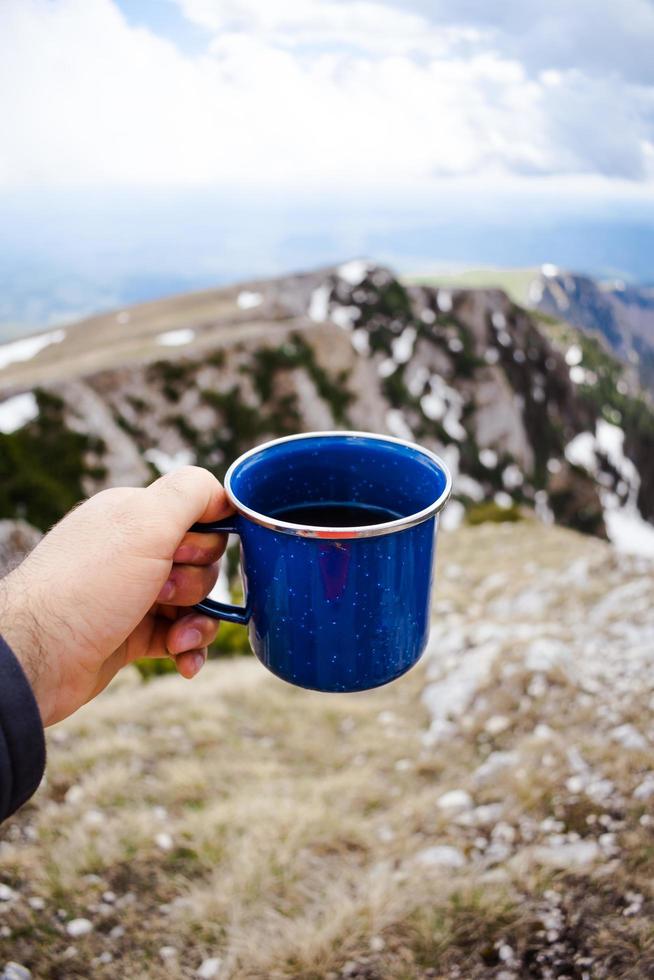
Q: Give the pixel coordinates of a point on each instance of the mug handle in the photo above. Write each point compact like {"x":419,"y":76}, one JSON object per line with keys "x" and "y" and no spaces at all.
{"x":211,"y":607}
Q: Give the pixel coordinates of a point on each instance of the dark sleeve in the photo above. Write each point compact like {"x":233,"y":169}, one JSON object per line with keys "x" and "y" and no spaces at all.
{"x":22,"y":743}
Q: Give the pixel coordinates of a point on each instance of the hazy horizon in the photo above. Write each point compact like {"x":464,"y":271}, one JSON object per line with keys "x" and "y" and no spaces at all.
{"x":66,"y":256}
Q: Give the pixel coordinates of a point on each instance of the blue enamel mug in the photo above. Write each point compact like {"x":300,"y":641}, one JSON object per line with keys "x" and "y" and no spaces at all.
{"x":341,"y":605}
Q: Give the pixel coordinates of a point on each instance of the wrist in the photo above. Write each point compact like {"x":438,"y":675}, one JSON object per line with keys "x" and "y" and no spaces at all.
{"x":20,"y":630}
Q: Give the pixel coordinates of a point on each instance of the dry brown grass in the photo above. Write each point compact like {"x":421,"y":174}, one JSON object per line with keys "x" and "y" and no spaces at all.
{"x":296,"y":821}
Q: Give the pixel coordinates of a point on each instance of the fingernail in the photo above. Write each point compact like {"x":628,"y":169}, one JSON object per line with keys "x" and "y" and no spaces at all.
{"x":190,"y":639}
{"x":198,"y":662}
{"x":167,"y":591}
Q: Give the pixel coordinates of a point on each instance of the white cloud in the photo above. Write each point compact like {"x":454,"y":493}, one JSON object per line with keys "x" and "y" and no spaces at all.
{"x":292,"y":23}
{"x":599,"y":37}
{"x":295,"y":92}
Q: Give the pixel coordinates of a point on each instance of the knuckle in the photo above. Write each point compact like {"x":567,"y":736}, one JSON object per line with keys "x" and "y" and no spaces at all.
{"x":119,"y":508}
{"x":112,"y":498}
{"x":180,"y":480}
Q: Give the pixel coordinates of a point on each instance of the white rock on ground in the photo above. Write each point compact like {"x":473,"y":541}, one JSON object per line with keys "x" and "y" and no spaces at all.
{"x":645,"y":789}
{"x":545,"y":654}
{"x":497,"y":724}
{"x":209,"y":968}
{"x":93,"y":818}
{"x":628,"y":737}
{"x":441,"y":856}
{"x":494,"y":764}
{"x":486,"y":814}
{"x":79,"y":927}
{"x":456,"y":799}
{"x":15,"y":971}
{"x":450,"y":695}
{"x":568,"y":854}
{"x":74,"y":795}
{"x":453,"y":516}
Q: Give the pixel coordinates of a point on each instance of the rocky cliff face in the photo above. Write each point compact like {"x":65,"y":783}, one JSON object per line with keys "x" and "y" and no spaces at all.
{"x":621,"y":313}
{"x":17,"y":539}
{"x":526,"y":412}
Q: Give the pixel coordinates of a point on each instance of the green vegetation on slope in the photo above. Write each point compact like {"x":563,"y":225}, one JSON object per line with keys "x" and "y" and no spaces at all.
{"x":43,"y":465}
{"x":604,"y":389}
{"x":242,"y":422}
{"x":297,"y":353}
{"x":514,"y":282}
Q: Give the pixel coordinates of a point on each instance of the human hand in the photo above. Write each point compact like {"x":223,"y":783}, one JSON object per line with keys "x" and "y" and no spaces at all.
{"x":112,"y":582}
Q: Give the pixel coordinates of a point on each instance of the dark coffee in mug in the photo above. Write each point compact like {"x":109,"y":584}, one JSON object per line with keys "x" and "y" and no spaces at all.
{"x":336,"y":515}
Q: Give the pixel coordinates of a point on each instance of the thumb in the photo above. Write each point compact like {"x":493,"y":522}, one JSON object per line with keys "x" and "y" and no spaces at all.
{"x":177,"y":500}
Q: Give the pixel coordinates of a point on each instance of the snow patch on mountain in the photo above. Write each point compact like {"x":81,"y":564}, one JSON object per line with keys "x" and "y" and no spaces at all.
{"x":354,"y":272}
{"x":397,"y":425}
{"x":345,"y":316}
{"x":176,"y":338}
{"x":624,"y":523}
{"x":18,"y":411}
{"x":319,"y":303}
{"x":25,"y":350}
{"x":247,"y":300}
{"x":166,"y":463}
{"x":444,"y":404}
{"x":402,"y":346}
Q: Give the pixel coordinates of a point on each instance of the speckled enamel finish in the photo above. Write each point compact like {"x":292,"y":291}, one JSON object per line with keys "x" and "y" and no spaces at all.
{"x":342,"y":611}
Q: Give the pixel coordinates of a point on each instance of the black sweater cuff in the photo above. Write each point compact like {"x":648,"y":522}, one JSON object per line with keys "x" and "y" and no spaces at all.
{"x":22,"y":741}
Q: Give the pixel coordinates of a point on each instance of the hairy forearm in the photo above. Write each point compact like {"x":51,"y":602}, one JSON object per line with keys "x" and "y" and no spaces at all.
{"x":20,"y":629}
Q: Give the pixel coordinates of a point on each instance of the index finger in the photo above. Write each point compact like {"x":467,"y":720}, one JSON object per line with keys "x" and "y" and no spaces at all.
{"x":201,"y":549}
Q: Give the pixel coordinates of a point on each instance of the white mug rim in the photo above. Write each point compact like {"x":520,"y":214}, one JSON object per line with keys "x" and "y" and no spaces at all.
{"x":364,"y":531}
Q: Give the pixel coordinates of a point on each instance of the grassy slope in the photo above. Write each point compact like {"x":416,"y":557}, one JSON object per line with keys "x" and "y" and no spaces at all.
{"x":515,"y":282}
{"x":297,"y":820}
{"x":110,"y":341}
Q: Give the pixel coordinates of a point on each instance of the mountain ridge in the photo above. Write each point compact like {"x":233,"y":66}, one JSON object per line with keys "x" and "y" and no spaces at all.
{"x":619,"y":312}
{"x":201,"y":378}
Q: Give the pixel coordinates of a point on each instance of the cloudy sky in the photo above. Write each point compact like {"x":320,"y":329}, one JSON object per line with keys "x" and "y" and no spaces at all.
{"x":304,"y":93}
{"x":153,"y":146}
